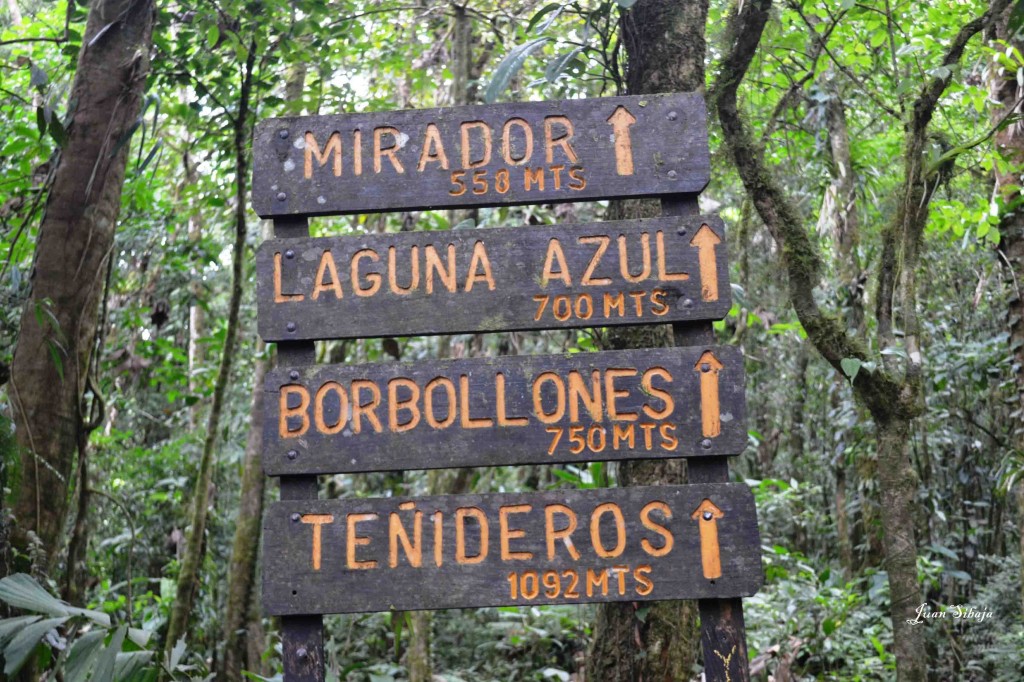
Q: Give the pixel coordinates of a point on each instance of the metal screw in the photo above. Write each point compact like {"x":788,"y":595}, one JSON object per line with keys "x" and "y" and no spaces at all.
{"x":706,"y":443}
{"x":281,"y":196}
{"x":290,"y":326}
{"x":283,"y":134}
{"x":289,"y":253}
{"x":292,"y":454}
{"x":294,"y":374}
{"x":301,"y":652}
{"x":672,"y":175}
{"x":704,"y":367}
{"x":707,"y":516}
{"x":681,"y":231}
{"x":672,"y":115}
{"x":295,"y":518}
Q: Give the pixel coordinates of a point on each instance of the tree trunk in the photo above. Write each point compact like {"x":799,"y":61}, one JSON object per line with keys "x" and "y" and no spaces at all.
{"x":58,"y":323}
{"x":242,"y":601}
{"x":898,"y":484}
{"x":1009,"y":143}
{"x":664,"y":42}
{"x":188,"y":576}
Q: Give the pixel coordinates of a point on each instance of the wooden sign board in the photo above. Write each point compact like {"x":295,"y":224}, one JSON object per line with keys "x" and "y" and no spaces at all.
{"x":651,"y":403}
{"x":499,"y":154}
{"x":518,"y":549}
{"x":460,"y":281}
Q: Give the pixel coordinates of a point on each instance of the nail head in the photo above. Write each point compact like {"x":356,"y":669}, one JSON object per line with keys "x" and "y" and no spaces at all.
{"x":281,"y":196}
{"x":294,"y":374}
{"x":704,"y":367}
{"x":292,"y":454}
{"x":283,"y":134}
{"x":289,"y":253}
{"x":290,"y":326}
{"x":296,"y":517}
{"x":707,"y":516}
{"x":706,"y":443}
{"x":672,"y":175}
{"x":672,"y":115}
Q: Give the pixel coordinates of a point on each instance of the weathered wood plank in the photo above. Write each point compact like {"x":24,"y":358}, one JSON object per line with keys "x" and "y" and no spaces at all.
{"x":652,"y":403}
{"x":499,"y":154}
{"x":559,"y":547}
{"x":461,"y":281}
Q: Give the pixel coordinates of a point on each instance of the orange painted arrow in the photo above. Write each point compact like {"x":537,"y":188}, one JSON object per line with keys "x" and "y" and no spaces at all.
{"x":707,"y":515}
{"x":705,"y":241}
{"x":621,"y":120}
{"x":710,"y":411}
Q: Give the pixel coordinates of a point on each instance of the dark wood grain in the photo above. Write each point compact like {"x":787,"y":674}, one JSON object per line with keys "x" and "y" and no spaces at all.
{"x":589,"y":165}
{"x":358,"y":571}
{"x":540,"y":416}
{"x":461,"y":281}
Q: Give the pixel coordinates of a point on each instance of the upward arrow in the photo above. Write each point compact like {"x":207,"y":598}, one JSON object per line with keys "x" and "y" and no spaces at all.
{"x":710,"y":417}
{"x":707,"y":515}
{"x":705,"y":241}
{"x":621,"y":120}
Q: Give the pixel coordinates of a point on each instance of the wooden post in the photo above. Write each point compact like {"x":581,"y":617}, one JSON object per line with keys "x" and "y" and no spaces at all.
{"x":302,"y":637}
{"x":723,"y":636}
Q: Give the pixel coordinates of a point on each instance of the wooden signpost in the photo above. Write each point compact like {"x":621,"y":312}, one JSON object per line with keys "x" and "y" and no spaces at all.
{"x":527,"y":409}
{"x":696,"y":541}
{"x":559,"y":547}
{"x":501,"y":154}
{"x":408,"y":283}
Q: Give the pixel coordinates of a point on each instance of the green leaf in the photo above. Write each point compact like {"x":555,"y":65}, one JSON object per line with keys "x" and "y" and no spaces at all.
{"x":57,"y":131}
{"x":509,"y":67}
{"x":878,"y":645}
{"x":25,"y":642}
{"x":828,"y":626}
{"x":82,"y":655}
{"x":37,"y":78}
{"x":1016,"y":19}
{"x":139,"y":637}
{"x":108,"y":659}
{"x":850,"y":367}
{"x":557,"y":65}
{"x":212,"y":35}
{"x":176,"y":654}
{"x":546,"y":9}
{"x":41,"y":121}
{"x":12,"y":626}
{"x":23,"y":592}
{"x":128,"y":663}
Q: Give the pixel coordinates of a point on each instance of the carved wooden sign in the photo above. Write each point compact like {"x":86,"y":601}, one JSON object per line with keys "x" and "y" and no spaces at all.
{"x":458,"y":281}
{"x":560,"y":547}
{"x":652,"y":403}
{"x":500,"y":154}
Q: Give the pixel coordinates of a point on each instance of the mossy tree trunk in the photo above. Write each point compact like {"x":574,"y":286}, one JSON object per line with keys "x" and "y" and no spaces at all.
{"x":892,"y":392}
{"x":665,"y":47}
{"x":1009,"y":143}
{"x":50,"y":372}
{"x":242,"y":599}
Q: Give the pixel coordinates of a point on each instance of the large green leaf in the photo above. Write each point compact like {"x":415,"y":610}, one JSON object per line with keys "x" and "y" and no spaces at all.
{"x":509,"y":67}
{"x":9,"y":627}
{"x":26,"y":641}
{"x":83,"y":655}
{"x":108,"y":659}
{"x":127,"y":664}
{"x":23,"y":592}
